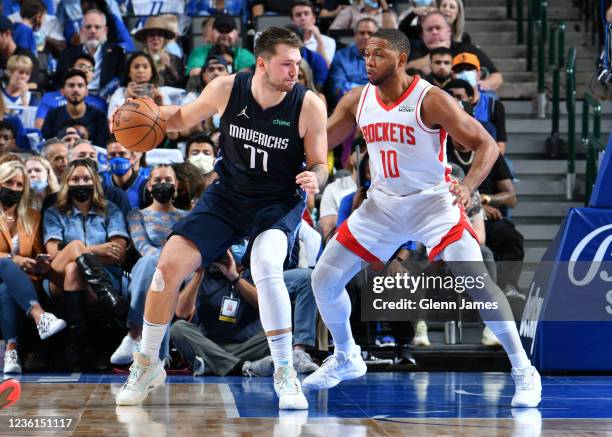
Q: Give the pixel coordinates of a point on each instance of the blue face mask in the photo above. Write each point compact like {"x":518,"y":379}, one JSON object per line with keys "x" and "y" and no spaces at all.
{"x":120,"y":166}
{"x":38,"y":186}
{"x":216,"y":121}
{"x":238,"y":250}
{"x":470,"y":76}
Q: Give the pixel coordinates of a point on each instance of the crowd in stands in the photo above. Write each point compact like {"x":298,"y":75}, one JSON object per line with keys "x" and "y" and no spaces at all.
{"x":83,"y":219}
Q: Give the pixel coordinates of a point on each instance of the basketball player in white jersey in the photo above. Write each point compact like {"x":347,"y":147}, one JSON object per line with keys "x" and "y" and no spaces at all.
{"x":405,"y":121}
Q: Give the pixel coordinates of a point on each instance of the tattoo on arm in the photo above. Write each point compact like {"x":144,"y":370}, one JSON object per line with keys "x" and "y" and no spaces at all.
{"x":320,"y":170}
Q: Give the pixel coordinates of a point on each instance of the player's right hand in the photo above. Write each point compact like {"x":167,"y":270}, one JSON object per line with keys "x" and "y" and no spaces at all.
{"x":462,"y":194}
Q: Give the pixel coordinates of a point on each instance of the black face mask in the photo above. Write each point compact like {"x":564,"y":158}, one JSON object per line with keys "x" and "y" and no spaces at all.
{"x":81,"y":193}
{"x":162,"y":192}
{"x":10,"y":197}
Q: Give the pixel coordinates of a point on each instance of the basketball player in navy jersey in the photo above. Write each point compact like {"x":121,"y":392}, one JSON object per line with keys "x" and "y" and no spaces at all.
{"x":404,"y":121}
{"x":273,"y":153}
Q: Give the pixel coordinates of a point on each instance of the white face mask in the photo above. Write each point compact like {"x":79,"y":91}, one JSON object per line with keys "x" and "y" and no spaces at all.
{"x":205,"y":163}
{"x":470,"y":76}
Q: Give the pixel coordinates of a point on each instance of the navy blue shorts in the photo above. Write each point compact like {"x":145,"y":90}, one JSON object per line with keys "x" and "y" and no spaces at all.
{"x":223,"y":217}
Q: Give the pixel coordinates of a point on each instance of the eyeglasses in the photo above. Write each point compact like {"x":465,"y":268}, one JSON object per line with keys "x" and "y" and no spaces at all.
{"x":85,"y":67}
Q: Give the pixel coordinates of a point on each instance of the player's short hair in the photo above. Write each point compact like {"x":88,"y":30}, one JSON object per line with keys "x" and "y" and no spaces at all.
{"x":396,"y":39}
{"x":440,"y":51}
{"x":273,"y":36}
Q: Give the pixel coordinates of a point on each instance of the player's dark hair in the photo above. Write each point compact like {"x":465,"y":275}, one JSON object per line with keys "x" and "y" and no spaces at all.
{"x":73,"y":73}
{"x":440,"y":51}
{"x":273,"y":36}
{"x":396,"y":39}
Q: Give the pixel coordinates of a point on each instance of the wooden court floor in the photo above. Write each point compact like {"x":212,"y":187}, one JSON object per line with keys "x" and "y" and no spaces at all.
{"x":418,"y":404}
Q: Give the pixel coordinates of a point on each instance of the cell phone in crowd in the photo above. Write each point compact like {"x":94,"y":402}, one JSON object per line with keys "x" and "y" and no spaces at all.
{"x":42,"y":257}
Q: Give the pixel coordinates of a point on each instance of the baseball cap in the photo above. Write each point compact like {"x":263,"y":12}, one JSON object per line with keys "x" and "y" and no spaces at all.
{"x":215,"y":59}
{"x":5,"y":23}
{"x":466,"y":58}
{"x":224,"y":22}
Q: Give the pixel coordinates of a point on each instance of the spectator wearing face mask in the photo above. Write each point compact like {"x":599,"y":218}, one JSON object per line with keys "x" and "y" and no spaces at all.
{"x":488,"y":109}
{"x":43,"y":181}
{"x":200,"y":152}
{"x":149,"y":228}
{"x":122,"y":174}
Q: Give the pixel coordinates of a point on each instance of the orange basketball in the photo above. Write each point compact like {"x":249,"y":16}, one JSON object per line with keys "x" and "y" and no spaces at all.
{"x":138,"y":126}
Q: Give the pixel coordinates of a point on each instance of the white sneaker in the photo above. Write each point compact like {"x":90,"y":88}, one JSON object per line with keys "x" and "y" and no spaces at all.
{"x":11,"y":362}
{"x":528,"y":392}
{"x":289,"y":390}
{"x":302,"y":362}
{"x":143,"y":378}
{"x":337,"y":368}
{"x":124,"y":353}
{"x":49,"y":325}
{"x":420,"y":334}
{"x":488,"y":338}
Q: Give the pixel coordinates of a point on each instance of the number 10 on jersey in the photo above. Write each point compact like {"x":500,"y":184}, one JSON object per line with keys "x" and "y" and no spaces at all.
{"x":389,"y":163}
{"x":254,"y":152}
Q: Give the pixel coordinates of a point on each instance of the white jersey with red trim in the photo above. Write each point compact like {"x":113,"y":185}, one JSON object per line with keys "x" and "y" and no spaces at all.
{"x":405,"y":155}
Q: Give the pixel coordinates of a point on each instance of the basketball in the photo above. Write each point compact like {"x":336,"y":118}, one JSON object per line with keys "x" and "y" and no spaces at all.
{"x":138,"y":126}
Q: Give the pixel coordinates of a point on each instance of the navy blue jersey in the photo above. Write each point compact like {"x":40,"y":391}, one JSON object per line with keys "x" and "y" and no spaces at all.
{"x":261,"y":150}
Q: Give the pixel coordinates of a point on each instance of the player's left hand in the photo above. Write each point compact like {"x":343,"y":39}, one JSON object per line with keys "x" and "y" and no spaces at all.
{"x":462,"y":194}
{"x":308,"y":181}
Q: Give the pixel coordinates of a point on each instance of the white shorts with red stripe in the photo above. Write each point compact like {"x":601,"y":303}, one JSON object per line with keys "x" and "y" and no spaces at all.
{"x":383,"y":223}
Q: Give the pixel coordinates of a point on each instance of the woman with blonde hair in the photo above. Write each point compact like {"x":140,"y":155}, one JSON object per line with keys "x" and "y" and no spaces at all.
{"x":454,"y":11}
{"x":20,"y":249}
{"x":43,"y":181}
{"x":86,"y":238}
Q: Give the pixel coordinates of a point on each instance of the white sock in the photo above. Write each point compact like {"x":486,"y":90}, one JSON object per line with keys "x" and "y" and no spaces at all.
{"x":152,"y":336}
{"x":347,"y":347}
{"x":508,"y":336}
{"x":281,"y":349}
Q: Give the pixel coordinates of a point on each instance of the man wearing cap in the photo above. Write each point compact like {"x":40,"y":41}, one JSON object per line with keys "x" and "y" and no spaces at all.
{"x":223,"y":32}
{"x":8,"y":48}
{"x":155,"y":35}
{"x":436,"y":32}
{"x":110,"y":63}
{"x":488,"y":109}
{"x":303,"y":15}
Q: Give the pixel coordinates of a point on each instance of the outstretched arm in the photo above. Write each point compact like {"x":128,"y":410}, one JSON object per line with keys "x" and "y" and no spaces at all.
{"x":342,"y":122}
{"x":213,"y":99}
{"x":314,"y":119}
{"x":440,"y":109}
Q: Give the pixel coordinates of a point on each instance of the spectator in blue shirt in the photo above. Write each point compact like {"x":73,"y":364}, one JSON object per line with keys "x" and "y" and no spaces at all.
{"x":54,"y":99}
{"x":348,"y":69}
{"x":208,"y":8}
{"x":32,"y":12}
{"x":86,"y":237}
